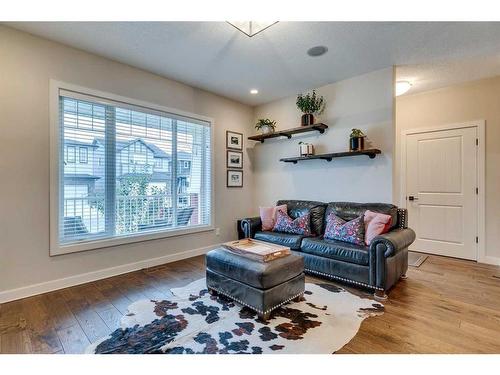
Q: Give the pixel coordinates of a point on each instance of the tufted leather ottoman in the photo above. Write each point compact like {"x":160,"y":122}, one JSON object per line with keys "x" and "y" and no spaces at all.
{"x":258,"y":285}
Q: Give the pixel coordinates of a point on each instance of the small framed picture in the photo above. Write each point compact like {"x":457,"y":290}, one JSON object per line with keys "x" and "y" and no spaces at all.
{"x":234,"y":159}
{"x":234,"y":178}
{"x":234,"y":140}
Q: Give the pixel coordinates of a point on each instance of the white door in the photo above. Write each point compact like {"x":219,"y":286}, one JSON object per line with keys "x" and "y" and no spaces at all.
{"x":441,"y":182}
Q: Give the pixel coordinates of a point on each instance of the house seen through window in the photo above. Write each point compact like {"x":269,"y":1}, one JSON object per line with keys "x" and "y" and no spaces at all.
{"x":129,"y":170}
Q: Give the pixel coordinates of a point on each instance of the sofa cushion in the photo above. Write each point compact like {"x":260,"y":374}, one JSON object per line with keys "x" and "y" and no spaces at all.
{"x":298,"y":208}
{"x":338,"y":250}
{"x":261,"y":275}
{"x":322,"y":267}
{"x":351,"y":210}
{"x":292,"y":241}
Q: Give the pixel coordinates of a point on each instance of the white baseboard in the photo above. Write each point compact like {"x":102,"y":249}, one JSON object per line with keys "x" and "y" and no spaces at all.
{"x":49,"y":286}
{"x":490,"y":260}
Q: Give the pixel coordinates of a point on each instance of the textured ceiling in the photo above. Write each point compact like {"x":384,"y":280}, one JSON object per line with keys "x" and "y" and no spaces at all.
{"x":425,"y":77}
{"x":217,"y":57}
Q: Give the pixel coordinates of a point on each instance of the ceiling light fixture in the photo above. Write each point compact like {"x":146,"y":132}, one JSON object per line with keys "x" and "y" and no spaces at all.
{"x":254,"y":91}
{"x":402,"y":87}
{"x":251,"y":28}
{"x":317,"y":51}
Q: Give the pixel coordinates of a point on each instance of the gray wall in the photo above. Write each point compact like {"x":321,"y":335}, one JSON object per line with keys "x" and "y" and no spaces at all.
{"x":364,"y":102}
{"x":27,"y":63}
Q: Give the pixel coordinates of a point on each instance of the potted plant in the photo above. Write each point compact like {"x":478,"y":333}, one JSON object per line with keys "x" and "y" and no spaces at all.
{"x":310,"y":105}
{"x":357,"y":140}
{"x":306,"y":149}
{"x":265,"y":125}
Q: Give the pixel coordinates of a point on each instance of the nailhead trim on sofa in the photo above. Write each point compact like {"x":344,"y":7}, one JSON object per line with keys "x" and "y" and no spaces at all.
{"x":403,"y":222}
{"x":306,"y":270}
{"x":252,"y":307}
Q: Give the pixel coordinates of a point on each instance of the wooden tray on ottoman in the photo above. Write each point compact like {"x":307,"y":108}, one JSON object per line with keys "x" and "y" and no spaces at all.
{"x":258,"y":250}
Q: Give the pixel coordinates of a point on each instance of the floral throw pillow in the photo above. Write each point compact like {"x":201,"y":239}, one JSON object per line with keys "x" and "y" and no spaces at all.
{"x":348,"y":231}
{"x":286,"y":224}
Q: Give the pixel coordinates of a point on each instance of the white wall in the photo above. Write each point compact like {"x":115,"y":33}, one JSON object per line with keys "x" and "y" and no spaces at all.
{"x":478,"y":100}
{"x":364,"y":102}
{"x":27,"y":63}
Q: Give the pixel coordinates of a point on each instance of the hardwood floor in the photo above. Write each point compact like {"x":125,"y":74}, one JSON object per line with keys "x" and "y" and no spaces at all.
{"x":445,"y":306}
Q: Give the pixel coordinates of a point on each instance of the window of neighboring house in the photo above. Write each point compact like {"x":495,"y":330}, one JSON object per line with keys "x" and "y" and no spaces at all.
{"x":83,"y":155}
{"x":183,"y":201}
{"x":121,"y":205}
{"x":71,"y":154}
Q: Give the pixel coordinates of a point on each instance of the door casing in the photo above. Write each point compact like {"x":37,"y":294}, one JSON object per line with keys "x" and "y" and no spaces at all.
{"x":480,"y":125}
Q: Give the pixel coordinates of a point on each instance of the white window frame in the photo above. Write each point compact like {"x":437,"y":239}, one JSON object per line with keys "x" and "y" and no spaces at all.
{"x":86,"y":153}
{"x":56,"y":248}
{"x":74,"y":154}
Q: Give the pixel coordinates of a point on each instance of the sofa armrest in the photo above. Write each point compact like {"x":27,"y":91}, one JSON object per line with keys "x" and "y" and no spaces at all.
{"x":250,"y":226}
{"x":395,"y":240}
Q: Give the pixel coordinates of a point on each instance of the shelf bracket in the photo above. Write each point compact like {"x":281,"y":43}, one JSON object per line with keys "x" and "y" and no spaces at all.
{"x":321,"y":130}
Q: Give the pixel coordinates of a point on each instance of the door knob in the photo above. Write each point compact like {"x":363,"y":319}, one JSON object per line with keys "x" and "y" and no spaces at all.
{"x":412,"y":198}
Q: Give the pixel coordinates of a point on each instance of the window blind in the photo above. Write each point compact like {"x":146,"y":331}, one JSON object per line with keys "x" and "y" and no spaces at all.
{"x":125,"y":170}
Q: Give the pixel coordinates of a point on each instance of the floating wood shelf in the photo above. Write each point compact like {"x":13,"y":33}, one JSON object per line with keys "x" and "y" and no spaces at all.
{"x":288,"y":133}
{"x":371,"y":153}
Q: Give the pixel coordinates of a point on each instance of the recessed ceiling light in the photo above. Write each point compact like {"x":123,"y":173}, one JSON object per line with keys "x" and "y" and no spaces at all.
{"x":317,"y":51}
{"x":254,"y":91}
{"x":402,"y":87}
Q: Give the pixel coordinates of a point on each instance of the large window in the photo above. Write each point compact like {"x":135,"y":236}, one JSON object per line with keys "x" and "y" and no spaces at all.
{"x":122,"y":188}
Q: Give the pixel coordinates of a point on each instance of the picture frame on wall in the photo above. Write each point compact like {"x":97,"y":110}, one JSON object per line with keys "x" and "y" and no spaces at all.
{"x":234,"y":178}
{"x":234,"y":140}
{"x":234,"y":159}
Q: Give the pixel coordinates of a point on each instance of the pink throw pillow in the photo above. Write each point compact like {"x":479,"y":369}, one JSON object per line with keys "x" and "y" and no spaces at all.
{"x":268,"y":215}
{"x":375,"y":224}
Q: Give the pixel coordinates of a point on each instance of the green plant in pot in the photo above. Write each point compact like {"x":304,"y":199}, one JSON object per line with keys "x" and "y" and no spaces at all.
{"x":356,"y":140}
{"x":265,"y":126}
{"x":311,"y":105}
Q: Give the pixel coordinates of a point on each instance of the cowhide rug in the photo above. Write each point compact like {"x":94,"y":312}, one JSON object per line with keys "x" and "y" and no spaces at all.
{"x":195,"y":322}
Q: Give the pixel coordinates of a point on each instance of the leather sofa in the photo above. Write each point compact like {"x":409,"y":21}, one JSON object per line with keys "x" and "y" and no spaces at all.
{"x":377,"y":267}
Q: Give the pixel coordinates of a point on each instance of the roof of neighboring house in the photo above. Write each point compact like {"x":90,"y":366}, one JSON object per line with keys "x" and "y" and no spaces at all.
{"x":157,"y":152}
{"x":154,"y":177}
{"x":160,"y":176}
{"x":120,"y":145}
{"x":81,"y":176}
{"x":80,"y":143}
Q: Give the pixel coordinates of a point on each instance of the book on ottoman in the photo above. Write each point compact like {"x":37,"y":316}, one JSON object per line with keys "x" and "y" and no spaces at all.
{"x":258,"y":250}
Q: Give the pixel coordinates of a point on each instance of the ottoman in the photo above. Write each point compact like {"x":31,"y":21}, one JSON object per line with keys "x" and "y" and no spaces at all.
{"x":261,"y":286}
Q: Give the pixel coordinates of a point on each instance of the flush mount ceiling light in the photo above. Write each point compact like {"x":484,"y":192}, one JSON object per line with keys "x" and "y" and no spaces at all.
{"x":254,"y":91}
{"x":251,"y":28}
{"x":317,"y":51}
{"x":402,"y":87}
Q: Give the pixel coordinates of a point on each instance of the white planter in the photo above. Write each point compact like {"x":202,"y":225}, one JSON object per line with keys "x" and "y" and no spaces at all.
{"x":266,"y":130}
{"x":310,"y":149}
{"x":306,"y":150}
